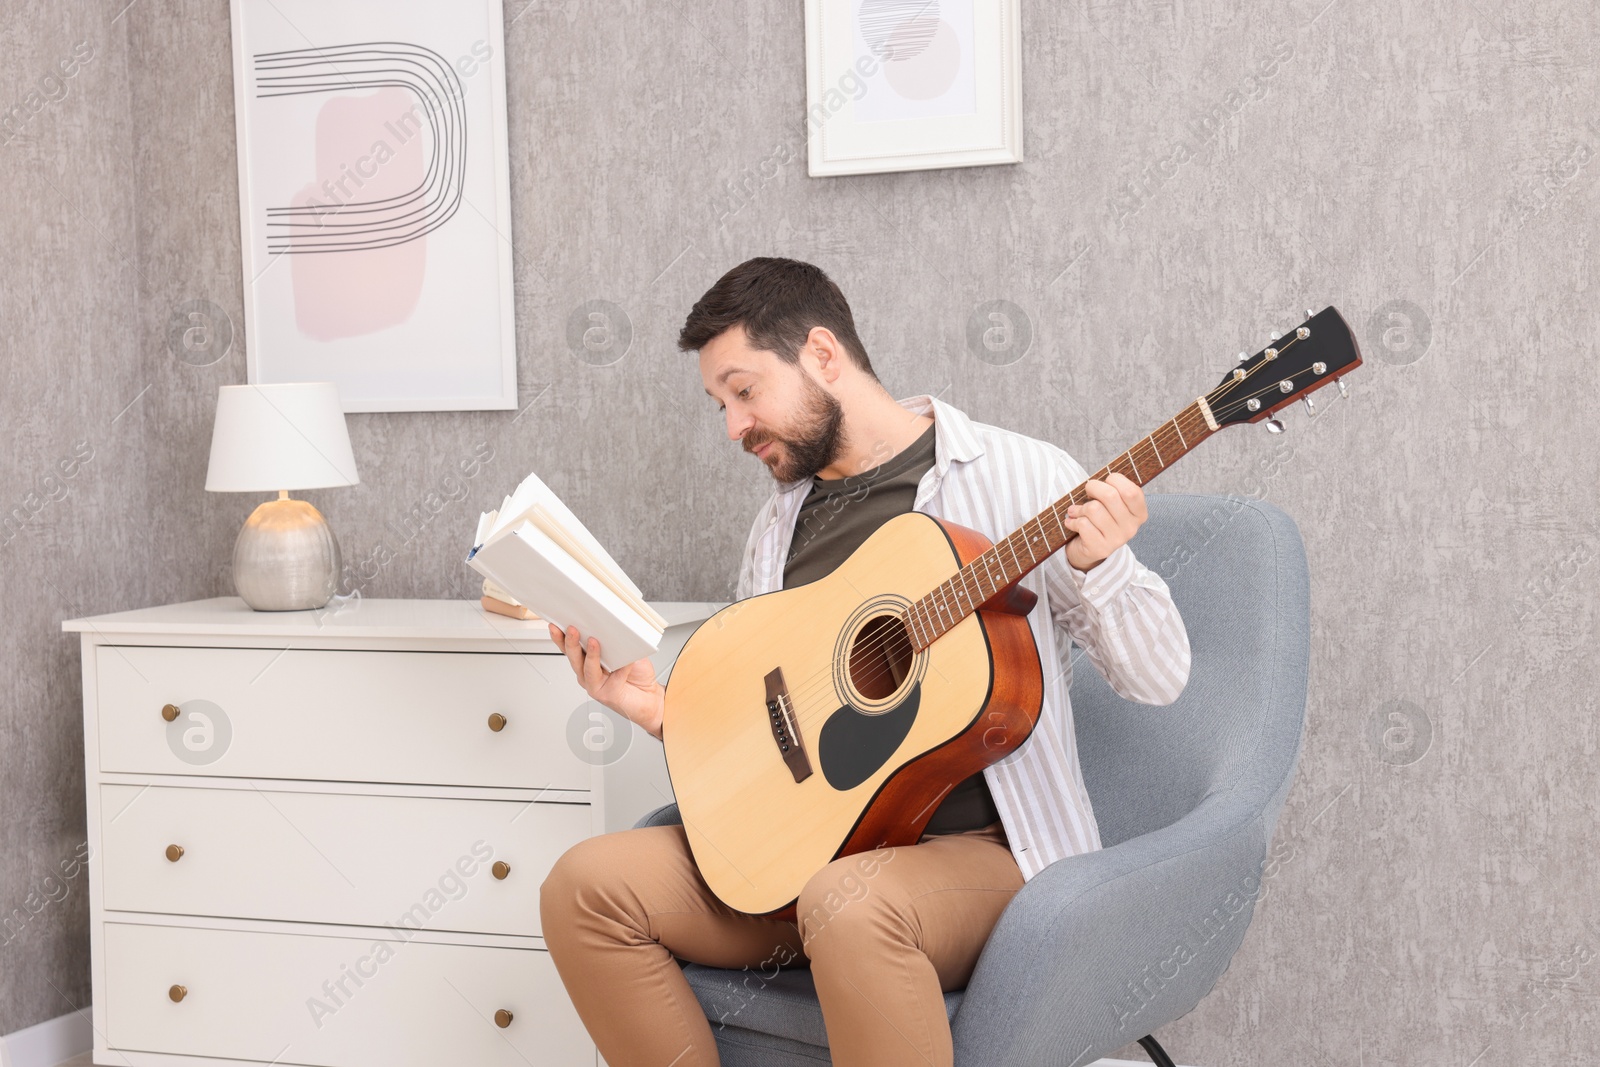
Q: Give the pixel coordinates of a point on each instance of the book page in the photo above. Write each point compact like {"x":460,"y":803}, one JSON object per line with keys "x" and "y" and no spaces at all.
{"x":614,"y":579}
{"x":532,"y":493}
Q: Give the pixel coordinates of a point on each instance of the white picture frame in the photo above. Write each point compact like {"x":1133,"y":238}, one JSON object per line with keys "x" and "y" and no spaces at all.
{"x":897,"y":85}
{"x":375,"y":200}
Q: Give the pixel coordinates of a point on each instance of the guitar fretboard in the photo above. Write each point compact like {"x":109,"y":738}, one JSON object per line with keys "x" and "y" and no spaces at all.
{"x":1030,"y":544}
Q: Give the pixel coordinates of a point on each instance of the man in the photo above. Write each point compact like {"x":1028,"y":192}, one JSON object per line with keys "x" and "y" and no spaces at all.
{"x":885,"y":933}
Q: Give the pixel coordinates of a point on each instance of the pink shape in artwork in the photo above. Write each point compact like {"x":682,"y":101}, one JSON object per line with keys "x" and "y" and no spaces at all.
{"x":369,"y":148}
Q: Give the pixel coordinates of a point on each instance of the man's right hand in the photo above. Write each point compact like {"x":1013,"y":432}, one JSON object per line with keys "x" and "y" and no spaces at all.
{"x":630,"y":691}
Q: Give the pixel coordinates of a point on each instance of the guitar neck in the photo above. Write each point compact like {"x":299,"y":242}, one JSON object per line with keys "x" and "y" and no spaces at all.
{"x":1030,"y":544}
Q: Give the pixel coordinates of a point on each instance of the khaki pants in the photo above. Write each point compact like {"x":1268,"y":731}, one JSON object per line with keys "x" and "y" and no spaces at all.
{"x":885,"y":934}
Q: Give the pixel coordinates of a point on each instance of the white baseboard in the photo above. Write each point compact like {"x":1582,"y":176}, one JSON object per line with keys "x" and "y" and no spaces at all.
{"x":49,"y":1043}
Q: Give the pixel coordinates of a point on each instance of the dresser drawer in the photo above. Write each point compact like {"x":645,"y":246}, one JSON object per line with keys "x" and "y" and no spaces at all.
{"x":403,"y":862}
{"x":420,"y":717}
{"x":288,"y":998}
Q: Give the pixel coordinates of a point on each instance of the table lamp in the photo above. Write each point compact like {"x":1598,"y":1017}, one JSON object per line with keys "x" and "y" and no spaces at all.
{"x":276,"y":438}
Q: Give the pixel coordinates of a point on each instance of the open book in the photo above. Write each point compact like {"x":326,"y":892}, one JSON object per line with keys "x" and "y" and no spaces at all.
{"x":536,"y":549}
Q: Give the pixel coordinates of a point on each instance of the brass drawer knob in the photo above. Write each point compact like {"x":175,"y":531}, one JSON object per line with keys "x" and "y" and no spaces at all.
{"x":174,"y":854}
{"x":170,"y":713}
{"x":177,"y":993}
{"x":497,"y":722}
{"x":502,"y":1018}
{"x":500,"y":869}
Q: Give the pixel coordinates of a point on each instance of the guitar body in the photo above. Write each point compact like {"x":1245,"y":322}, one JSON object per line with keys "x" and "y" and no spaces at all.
{"x":801,"y":725}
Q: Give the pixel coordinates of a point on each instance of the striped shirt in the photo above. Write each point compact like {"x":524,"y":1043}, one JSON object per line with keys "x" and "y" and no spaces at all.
{"x":993,"y":480}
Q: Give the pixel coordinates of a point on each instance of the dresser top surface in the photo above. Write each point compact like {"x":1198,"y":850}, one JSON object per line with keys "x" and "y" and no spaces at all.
{"x":363,"y":618}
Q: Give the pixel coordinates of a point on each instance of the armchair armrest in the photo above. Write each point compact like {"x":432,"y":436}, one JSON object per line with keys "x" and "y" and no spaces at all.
{"x":1098,"y":950}
{"x":666,"y":815}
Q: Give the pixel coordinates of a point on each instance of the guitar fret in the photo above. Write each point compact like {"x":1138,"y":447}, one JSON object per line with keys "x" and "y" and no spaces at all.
{"x":977,"y":582}
{"x":963,"y":590}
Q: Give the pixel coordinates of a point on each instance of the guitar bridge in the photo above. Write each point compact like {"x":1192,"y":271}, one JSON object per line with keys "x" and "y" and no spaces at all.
{"x":785,"y":729}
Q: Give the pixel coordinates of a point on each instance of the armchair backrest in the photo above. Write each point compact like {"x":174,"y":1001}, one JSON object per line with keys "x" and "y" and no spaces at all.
{"x":1237,"y":571}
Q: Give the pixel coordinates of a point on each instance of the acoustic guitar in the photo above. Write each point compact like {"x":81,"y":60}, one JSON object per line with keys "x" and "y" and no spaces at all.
{"x":816,"y":722}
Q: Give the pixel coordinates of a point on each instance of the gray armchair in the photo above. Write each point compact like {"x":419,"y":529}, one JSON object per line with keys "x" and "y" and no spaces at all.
{"x":1099,"y":950}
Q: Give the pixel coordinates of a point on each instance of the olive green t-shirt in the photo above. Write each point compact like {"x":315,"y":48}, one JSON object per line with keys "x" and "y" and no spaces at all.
{"x":837,"y":516}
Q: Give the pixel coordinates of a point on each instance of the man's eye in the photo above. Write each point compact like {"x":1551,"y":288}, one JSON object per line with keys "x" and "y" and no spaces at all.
{"x":744,"y":394}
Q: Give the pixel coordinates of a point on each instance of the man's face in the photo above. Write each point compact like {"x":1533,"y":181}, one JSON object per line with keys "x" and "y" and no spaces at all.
{"x":784,"y":418}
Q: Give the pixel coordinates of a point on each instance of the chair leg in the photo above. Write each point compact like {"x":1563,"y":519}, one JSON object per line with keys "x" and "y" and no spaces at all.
{"x":1158,"y":1055}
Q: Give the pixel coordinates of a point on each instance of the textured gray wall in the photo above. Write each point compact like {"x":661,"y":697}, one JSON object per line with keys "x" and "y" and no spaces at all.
{"x":1429,"y":168}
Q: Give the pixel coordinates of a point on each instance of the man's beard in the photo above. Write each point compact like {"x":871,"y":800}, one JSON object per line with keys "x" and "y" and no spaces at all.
{"x":820,"y":436}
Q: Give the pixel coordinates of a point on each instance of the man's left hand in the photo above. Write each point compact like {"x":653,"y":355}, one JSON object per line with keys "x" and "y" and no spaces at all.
{"x":1107,"y":522}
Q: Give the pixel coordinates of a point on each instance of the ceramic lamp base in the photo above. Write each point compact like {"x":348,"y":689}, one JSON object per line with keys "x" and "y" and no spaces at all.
{"x":286,"y":557}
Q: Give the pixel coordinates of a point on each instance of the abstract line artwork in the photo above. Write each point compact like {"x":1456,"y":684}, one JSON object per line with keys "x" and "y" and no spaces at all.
{"x":924,"y":52}
{"x":912,"y":84}
{"x":380,"y":223}
{"x":375,"y":200}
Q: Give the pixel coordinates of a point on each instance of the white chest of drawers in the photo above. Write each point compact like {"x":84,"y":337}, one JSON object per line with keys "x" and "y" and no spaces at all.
{"x":318,"y":837}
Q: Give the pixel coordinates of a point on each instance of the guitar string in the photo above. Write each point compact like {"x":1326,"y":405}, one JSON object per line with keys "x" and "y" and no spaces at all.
{"x":894,"y":643}
{"x":1162,"y":435}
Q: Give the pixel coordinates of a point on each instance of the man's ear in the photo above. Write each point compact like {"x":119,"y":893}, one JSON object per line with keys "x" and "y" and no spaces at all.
{"x":828,"y":353}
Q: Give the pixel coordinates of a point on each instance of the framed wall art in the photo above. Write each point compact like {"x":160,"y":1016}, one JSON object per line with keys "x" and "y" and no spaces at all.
{"x":374,"y":200}
{"x":912,"y":84}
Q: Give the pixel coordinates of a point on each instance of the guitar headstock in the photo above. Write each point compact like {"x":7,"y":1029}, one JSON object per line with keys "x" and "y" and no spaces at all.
{"x":1295,"y":365}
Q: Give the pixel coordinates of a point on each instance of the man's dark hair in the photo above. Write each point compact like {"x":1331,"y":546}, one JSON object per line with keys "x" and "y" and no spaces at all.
{"x":777,"y":301}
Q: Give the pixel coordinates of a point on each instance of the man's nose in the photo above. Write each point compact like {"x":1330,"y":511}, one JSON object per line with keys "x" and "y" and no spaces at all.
{"x":738,"y":425}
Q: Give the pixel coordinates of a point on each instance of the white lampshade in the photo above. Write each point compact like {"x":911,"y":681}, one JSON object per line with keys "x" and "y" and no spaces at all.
{"x":280,"y":437}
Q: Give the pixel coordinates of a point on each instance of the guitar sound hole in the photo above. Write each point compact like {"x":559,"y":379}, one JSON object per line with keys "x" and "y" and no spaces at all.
{"x":880,"y":657}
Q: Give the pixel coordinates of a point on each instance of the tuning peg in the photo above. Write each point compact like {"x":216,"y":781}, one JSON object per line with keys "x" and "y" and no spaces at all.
{"x":1273,"y":336}
{"x":1311,"y":409}
{"x":1309,"y":313}
{"x":1273,"y":425}
{"x":1344,"y":390}
{"x":1243,"y":356}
